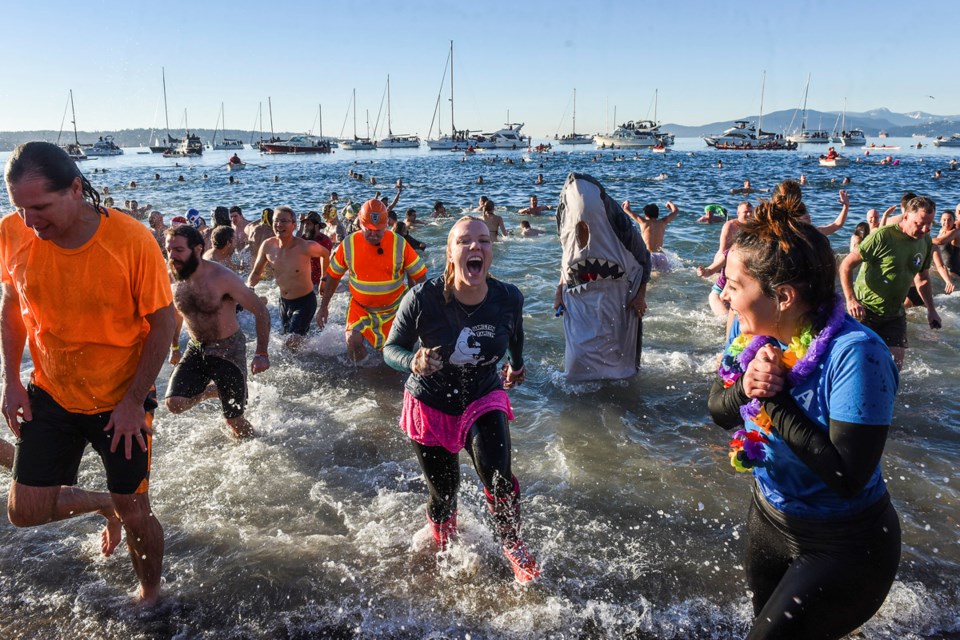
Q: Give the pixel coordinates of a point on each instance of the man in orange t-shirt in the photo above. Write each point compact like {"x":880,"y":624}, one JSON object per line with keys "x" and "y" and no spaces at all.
{"x":380,"y":263}
{"x":86,"y":288}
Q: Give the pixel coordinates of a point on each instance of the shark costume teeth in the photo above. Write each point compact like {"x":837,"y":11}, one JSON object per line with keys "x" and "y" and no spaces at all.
{"x":604,"y":263}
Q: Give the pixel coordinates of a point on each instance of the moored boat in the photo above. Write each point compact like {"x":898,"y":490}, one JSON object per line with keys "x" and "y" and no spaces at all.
{"x":642,"y":133}
{"x":743,"y":136}
{"x":297,"y":144}
{"x":952,"y":141}
{"x":105,"y":146}
{"x":853,"y":138}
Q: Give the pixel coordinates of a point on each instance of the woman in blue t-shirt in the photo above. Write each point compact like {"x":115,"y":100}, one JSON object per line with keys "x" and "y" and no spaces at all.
{"x":811,"y":391}
{"x":450,"y":334}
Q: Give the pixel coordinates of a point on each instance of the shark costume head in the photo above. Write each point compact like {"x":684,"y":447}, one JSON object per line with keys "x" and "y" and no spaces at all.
{"x":604,"y":264}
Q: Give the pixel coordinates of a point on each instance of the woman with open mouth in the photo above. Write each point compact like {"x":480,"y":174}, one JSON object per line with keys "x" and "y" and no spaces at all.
{"x":455,"y":398}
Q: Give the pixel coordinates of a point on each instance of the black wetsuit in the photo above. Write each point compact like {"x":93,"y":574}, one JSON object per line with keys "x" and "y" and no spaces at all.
{"x":816,"y":578}
{"x":472,"y":340}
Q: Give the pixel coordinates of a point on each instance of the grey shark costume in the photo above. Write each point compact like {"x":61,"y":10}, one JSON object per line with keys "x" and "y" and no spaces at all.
{"x":604,"y":264}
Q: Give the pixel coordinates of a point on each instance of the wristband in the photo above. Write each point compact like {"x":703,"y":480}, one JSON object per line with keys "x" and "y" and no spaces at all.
{"x":516,"y":372}
{"x":175,"y":347}
{"x":265,"y":355}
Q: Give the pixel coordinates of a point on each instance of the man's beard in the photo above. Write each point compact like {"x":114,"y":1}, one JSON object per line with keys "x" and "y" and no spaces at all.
{"x":184,"y":272}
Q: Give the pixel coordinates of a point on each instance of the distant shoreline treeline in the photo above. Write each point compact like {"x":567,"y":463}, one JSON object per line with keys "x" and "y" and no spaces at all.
{"x":126,"y":137}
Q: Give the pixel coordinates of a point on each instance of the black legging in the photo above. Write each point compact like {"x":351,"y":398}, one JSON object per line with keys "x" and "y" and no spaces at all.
{"x":488,"y":443}
{"x":816,"y":580}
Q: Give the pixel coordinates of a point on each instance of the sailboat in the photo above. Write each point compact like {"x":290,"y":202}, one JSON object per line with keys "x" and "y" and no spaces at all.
{"x":396,"y":141}
{"x":171,"y":142}
{"x":225,"y":143}
{"x":804,"y":135}
{"x":457,"y":140}
{"x":573,"y":137}
{"x":358,"y":144}
{"x":74,"y":150}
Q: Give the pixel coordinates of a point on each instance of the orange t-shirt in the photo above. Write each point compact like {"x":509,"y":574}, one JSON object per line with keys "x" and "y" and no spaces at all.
{"x":84,"y":309}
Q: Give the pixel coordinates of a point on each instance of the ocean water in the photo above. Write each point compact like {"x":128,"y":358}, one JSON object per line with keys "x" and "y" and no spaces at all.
{"x":316,"y":527}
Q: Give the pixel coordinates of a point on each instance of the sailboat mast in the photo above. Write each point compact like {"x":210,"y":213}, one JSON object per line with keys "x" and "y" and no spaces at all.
{"x":355,"y":114}
{"x":763,"y":84}
{"x":73,"y":115}
{"x":320,"y":115}
{"x":574,"y":111}
{"x":453,"y":127}
{"x":803,"y":119}
{"x":389,"y":124}
{"x":656,"y":95}
{"x":166,"y":115}
{"x":270,"y":109}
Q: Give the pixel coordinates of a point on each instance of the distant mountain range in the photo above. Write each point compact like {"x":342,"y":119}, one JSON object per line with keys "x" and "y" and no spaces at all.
{"x":871,"y":122}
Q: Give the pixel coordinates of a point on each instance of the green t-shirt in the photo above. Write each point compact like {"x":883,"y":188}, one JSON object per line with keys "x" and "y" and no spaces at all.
{"x":891,"y":259}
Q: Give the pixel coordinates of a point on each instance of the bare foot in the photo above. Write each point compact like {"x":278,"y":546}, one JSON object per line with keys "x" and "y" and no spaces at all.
{"x":210,"y":392}
{"x":111,"y":534}
{"x":149,"y":595}
{"x":241,"y":428}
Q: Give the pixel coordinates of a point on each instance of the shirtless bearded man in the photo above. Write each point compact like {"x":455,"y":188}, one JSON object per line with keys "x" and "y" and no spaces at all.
{"x":206,"y":295}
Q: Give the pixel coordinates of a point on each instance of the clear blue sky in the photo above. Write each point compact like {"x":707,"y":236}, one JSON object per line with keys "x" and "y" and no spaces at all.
{"x":705,"y":57}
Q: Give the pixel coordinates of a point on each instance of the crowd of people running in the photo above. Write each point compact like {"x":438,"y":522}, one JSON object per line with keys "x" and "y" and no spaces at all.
{"x":807,"y":378}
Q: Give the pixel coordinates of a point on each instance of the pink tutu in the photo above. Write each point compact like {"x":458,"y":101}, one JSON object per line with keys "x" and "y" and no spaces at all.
{"x":434,"y":428}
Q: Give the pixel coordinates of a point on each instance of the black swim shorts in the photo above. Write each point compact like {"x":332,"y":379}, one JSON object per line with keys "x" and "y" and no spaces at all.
{"x":892,"y":330}
{"x":51,"y":445}
{"x":222,"y":361}
{"x":297,"y":314}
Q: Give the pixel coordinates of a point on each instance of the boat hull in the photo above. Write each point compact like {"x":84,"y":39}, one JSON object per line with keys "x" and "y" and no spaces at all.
{"x":278,"y":148}
{"x":835,"y":162}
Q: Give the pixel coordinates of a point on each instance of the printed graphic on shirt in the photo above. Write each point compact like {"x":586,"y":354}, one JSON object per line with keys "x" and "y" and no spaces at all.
{"x":468,"y":348}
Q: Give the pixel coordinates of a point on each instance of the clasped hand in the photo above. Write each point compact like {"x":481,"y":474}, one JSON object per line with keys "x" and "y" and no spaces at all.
{"x":766,"y":375}
{"x":426,"y":361}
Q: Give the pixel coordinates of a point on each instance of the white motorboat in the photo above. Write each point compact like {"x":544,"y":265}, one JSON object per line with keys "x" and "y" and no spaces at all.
{"x":743,"y":136}
{"x":508,"y":138}
{"x":853,"y":138}
{"x":642,"y":133}
{"x":103,"y":147}
{"x":952,"y":141}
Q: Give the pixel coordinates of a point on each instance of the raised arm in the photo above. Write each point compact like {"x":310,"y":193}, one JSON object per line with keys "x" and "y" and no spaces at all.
{"x":674,"y":211}
{"x":834,"y":226}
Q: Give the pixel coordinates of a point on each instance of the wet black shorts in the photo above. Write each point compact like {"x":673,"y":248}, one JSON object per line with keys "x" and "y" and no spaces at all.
{"x":892,"y":330}
{"x":51,"y":445}
{"x":914,"y":297}
{"x":224,"y":363}
{"x":297,"y":314}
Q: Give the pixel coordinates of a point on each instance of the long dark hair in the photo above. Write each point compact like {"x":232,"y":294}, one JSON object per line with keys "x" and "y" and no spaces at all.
{"x":779,"y":247}
{"x":52,"y":163}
